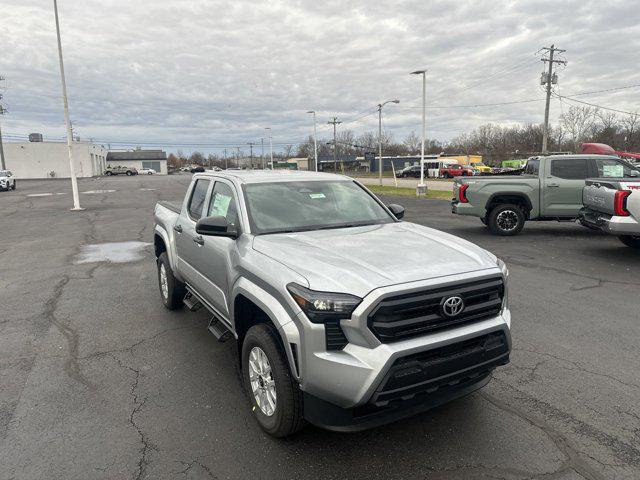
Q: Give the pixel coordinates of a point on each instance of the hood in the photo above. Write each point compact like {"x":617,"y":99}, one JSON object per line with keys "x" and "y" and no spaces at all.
{"x":359,"y":259}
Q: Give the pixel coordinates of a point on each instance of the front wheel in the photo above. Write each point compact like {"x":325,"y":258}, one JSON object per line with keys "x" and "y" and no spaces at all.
{"x":506,"y":220}
{"x":172,"y":290}
{"x":14,"y":185}
{"x":632,"y":241}
{"x":108,"y":174}
{"x":129,"y":174}
{"x":276,"y":400}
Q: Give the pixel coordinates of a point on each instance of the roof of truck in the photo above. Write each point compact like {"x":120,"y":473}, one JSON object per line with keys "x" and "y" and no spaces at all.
{"x":266,"y":176}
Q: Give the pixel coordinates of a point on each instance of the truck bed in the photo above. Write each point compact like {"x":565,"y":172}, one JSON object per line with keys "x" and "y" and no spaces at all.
{"x":173,"y":206}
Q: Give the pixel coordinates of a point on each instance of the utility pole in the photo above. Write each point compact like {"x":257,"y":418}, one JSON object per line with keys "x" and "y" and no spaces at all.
{"x":262,"y":152}
{"x":251,"y":153}
{"x":380,"y":105}
{"x":270,"y":146}
{"x":238,"y":157}
{"x":334,"y":122}
{"x":3,"y":166}
{"x":549,"y":78}
{"x":74,"y":181}
{"x":226,"y":165}
{"x":422,"y":188}
{"x":315,"y":139}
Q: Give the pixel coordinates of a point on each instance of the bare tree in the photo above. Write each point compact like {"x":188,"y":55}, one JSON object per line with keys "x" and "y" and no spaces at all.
{"x":578,"y":122}
{"x":413,"y":143}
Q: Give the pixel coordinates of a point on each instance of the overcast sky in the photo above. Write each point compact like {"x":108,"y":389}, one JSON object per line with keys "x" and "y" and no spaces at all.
{"x":219,"y":72}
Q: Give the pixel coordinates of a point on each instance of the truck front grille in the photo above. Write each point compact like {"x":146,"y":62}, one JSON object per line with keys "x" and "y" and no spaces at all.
{"x":418,"y":313}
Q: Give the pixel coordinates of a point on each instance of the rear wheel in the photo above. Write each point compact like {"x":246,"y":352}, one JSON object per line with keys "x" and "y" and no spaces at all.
{"x":129,"y":173}
{"x":506,"y":219}
{"x":108,"y":174}
{"x":276,"y":400}
{"x":14,"y":185}
{"x":172,"y":290}
{"x":632,"y":241}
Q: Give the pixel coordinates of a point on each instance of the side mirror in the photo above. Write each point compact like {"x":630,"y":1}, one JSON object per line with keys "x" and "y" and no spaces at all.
{"x":216,"y":226}
{"x":397,"y":210}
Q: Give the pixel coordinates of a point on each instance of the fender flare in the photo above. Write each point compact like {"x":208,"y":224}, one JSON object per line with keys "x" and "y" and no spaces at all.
{"x":281,"y":319}
{"x":162,"y":233}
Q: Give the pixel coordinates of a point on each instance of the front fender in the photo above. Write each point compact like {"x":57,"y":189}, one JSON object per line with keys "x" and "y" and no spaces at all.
{"x":277,"y":313}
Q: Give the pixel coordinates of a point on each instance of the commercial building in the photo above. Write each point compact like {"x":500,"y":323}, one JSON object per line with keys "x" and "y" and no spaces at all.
{"x":38,"y":159}
{"x":156,"y":159}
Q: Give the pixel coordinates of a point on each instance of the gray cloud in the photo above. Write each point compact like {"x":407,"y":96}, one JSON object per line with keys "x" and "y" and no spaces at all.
{"x":219,"y":72}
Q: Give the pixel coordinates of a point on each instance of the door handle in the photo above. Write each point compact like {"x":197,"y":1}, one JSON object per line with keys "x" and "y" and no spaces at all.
{"x":552,"y":185}
{"x":178,"y":228}
{"x":198,"y":240}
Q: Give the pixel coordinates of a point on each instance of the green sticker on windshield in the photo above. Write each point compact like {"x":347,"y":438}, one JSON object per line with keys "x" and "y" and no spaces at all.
{"x":316,"y":195}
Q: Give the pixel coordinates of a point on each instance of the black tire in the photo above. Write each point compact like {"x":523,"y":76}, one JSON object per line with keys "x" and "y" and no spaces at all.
{"x":632,"y":241}
{"x":129,"y":173}
{"x":506,"y":220}
{"x":14,"y":185}
{"x":108,"y":173}
{"x":173,"y":299}
{"x":483,"y":220}
{"x":287,"y":417}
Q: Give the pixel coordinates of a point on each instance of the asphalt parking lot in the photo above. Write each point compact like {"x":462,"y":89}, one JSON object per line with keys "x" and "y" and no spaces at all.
{"x":98,"y":380}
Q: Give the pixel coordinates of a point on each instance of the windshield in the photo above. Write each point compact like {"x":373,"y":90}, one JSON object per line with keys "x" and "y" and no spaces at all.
{"x":300,"y":206}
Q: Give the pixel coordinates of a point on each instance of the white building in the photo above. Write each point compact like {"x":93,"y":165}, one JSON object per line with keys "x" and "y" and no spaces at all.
{"x":51,"y":159}
{"x":155,"y":159}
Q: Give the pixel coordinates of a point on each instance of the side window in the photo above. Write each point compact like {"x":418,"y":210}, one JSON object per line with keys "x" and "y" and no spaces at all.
{"x":570,"y":169}
{"x":223,"y":203}
{"x":610,"y":168}
{"x":197,"y":199}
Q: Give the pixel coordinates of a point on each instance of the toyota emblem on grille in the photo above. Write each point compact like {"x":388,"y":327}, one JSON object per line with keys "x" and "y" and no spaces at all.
{"x":452,"y":306}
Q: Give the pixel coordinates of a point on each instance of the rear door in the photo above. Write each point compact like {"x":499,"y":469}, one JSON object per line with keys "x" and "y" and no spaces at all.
{"x":187,"y":246}
{"x":562,"y":187}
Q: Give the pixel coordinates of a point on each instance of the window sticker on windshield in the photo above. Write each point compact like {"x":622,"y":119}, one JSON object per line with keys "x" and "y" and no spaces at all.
{"x":613,"y":170}
{"x":220,"y":205}
{"x":317,"y":195}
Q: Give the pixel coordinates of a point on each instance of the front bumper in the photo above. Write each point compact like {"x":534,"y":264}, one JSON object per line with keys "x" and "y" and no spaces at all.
{"x":612,"y":224}
{"x":416,"y":383}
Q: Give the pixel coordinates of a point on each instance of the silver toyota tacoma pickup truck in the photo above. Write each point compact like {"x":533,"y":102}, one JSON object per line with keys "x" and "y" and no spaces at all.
{"x":333,"y":326}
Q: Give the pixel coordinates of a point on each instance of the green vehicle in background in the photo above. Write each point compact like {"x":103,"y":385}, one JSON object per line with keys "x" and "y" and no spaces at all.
{"x":514,"y":163}
{"x":550,"y":188}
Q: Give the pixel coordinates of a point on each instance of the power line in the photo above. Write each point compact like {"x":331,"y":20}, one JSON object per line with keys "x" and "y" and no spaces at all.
{"x":592,"y":104}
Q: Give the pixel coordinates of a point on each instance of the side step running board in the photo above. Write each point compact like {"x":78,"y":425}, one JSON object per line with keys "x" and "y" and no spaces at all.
{"x":191,"y":302}
{"x":219,"y":330}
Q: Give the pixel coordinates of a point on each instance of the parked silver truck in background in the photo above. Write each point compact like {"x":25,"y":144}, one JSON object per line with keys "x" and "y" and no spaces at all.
{"x":612,"y":204}
{"x":331,"y":328}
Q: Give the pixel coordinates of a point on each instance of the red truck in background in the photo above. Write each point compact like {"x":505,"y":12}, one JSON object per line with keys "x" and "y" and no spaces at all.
{"x":604,"y":149}
{"x":450,"y":171}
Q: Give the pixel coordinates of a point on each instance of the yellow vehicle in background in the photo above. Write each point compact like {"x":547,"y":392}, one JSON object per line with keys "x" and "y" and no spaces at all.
{"x":480,"y":167}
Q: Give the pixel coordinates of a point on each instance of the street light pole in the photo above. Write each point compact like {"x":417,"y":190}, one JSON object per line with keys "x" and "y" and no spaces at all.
{"x":270,"y":146}
{"x":74,"y":181}
{"x":424,"y":124}
{"x":262,"y":152}
{"x":380,"y":105}
{"x":315,"y":139}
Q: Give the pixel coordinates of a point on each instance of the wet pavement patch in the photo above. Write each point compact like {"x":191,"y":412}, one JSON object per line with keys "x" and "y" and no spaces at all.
{"x":115,"y":252}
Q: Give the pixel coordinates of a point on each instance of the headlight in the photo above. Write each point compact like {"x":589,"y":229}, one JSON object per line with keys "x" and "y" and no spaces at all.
{"x":323,"y":306}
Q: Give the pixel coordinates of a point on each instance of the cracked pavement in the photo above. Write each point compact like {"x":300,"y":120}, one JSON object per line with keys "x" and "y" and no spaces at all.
{"x":99,"y":381}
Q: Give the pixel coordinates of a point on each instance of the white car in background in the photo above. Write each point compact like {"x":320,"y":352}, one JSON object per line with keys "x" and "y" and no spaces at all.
{"x":7,"y":180}
{"x":146,"y":171}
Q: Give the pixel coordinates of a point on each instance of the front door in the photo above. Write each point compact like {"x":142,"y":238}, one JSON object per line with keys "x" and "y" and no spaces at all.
{"x":217,"y":252}
{"x":562,"y":186}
